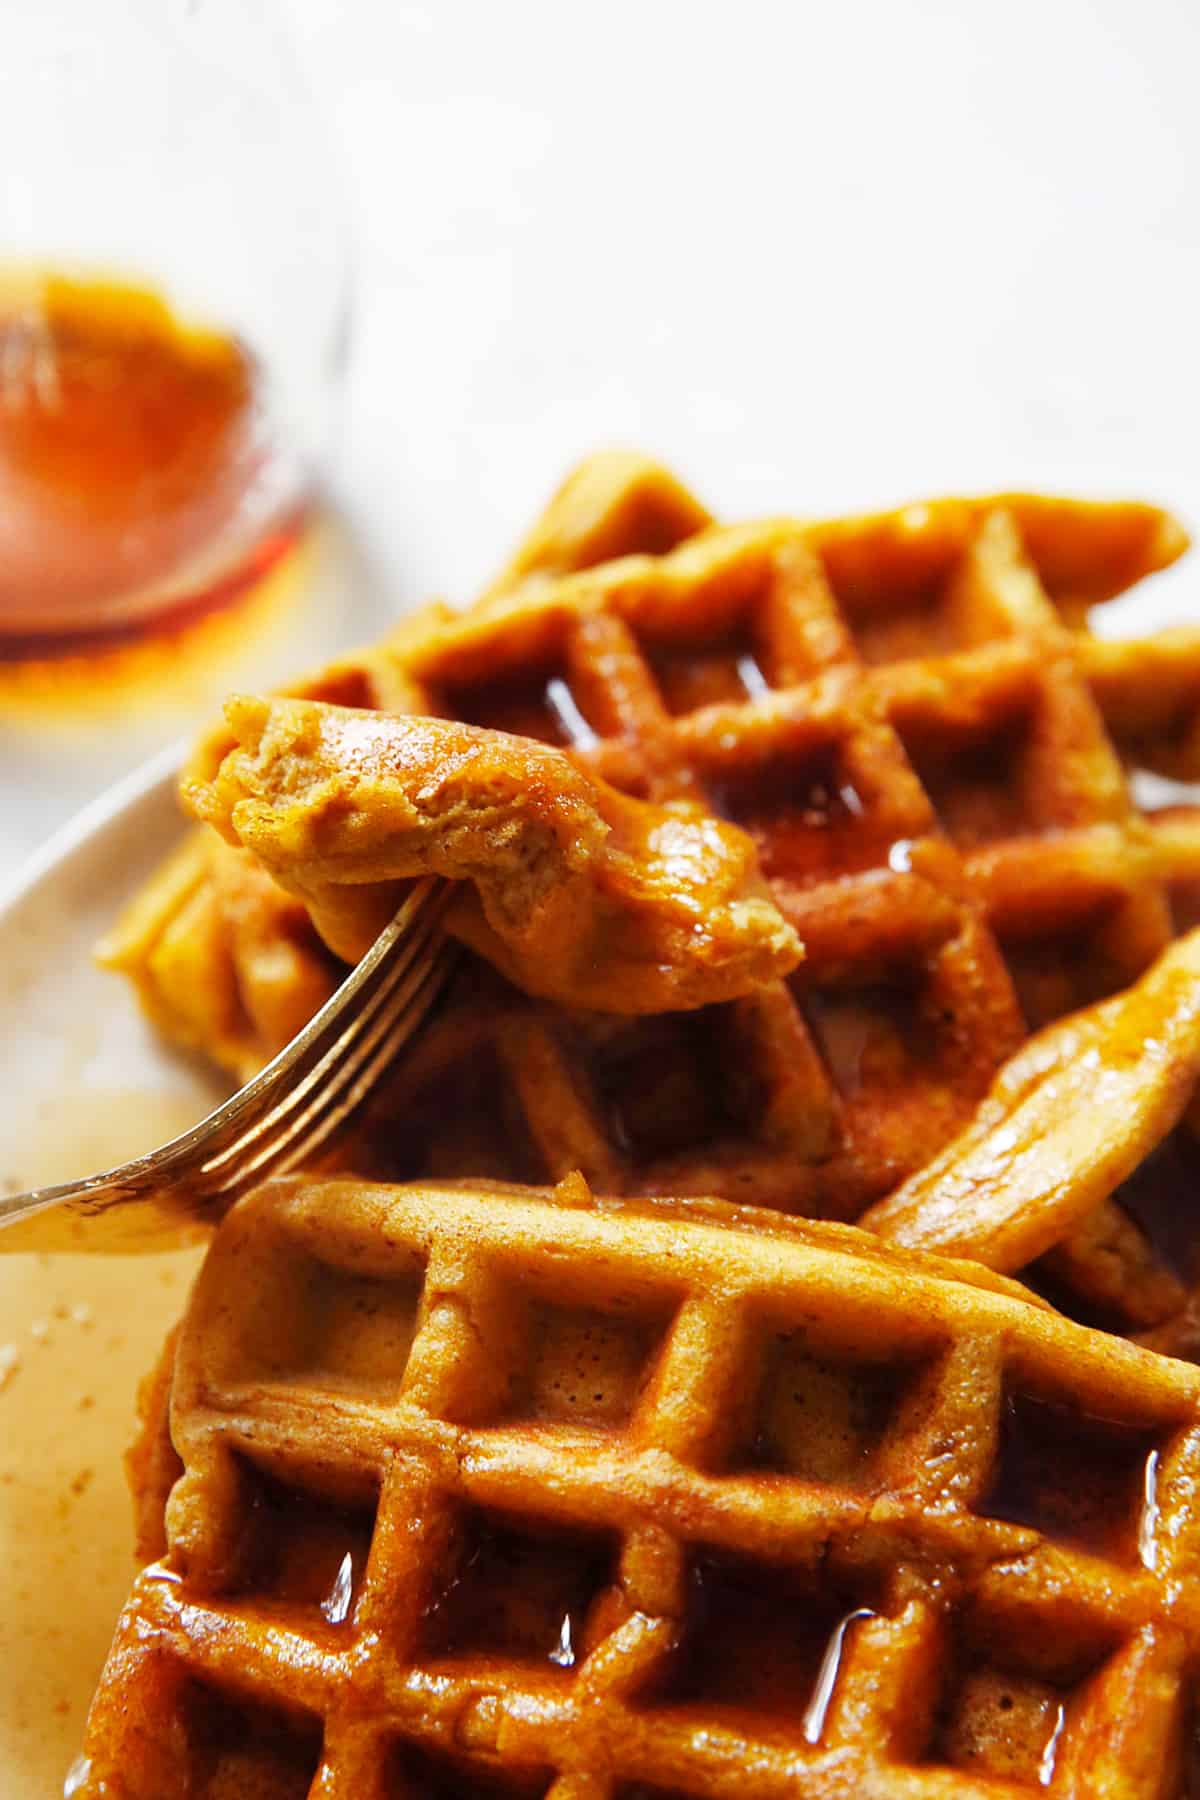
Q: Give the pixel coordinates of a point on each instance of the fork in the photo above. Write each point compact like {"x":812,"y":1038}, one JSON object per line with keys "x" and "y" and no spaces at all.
{"x":269,"y":1126}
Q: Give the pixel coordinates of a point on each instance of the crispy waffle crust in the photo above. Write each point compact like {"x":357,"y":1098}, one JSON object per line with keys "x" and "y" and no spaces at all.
{"x":506,"y":1492}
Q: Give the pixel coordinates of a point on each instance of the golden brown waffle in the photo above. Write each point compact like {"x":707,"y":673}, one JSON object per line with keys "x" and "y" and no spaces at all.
{"x":575,"y":892}
{"x":616,"y":503}
{"x":1084,"y":1155}
{"x":503,"y":1493}
{"x":898,"y":710}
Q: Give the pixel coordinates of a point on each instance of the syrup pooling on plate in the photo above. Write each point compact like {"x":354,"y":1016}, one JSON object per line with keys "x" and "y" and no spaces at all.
{"x":86,"y":1330}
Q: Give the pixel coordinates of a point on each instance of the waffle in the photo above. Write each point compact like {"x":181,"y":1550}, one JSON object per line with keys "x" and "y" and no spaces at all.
{"x":1082,"y":1163}
{"x":576,"y":892}
{"x":504,"y":1492}
{"x":616,"y":503}
{"x":905,"y":712}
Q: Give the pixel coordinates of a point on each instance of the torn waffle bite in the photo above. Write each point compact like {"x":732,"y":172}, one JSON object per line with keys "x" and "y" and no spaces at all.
{"x":575,"y":891}
{"x":489,"y":1491}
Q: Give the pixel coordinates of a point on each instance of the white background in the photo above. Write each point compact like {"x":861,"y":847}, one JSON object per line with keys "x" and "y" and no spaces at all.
{"x":817,"y":256}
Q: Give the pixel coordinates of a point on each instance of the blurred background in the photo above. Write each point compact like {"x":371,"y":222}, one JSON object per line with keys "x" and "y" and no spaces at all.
{"x":816,"y":257}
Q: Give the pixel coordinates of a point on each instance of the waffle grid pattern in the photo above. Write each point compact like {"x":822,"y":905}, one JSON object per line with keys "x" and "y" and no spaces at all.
{"x":659,"y":1503}
{"x":939,"y":831}
{"x":910,"y":716}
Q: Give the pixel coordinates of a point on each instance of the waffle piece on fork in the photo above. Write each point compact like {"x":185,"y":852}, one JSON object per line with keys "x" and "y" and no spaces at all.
{"x":577,"y":892}
{"x":506,"y":1492}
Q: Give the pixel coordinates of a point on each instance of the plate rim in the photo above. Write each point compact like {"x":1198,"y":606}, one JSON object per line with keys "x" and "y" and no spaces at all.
{"x":112,"y":803}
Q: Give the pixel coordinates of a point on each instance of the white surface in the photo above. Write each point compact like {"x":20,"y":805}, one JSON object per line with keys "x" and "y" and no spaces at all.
{"x":817,"y":256}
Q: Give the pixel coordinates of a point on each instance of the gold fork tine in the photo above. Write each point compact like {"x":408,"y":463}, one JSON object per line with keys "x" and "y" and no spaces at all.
{"x":306,"y":1141}
{"x":337,"y":1045}
{"x":297,"y":1133}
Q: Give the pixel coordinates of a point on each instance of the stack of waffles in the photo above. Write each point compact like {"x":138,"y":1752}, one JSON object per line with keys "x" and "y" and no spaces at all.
{"x":485,"y":1488}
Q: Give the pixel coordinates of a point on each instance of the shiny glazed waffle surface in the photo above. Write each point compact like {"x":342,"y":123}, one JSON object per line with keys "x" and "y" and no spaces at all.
{"x":908,"y":714}
{"x":1081,"y":1163}
{"x":500,"y":1492}
{"x":822,"y":1094}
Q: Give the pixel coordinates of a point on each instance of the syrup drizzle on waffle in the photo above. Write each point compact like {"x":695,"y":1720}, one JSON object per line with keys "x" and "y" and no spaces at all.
{"x":648,"y":1500}
{"x":930,"y":748}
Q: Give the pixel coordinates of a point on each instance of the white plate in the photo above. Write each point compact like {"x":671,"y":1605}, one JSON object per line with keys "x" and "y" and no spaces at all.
{"x":83,"y":1084}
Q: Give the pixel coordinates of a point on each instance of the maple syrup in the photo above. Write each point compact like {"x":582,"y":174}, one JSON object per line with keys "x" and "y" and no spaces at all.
{"x":304,"y":1554}
{"x":1000,"y":1722}
{"x":518,"y":1594}
{"x":240,"y":1748}
{"x":762,"y":1644}
{"x":137,"y":476}
{"x":691,"y":676}
{"x":803,"y":812}
{"x":414,"y":1772}
{"x":1078,"y":1479}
